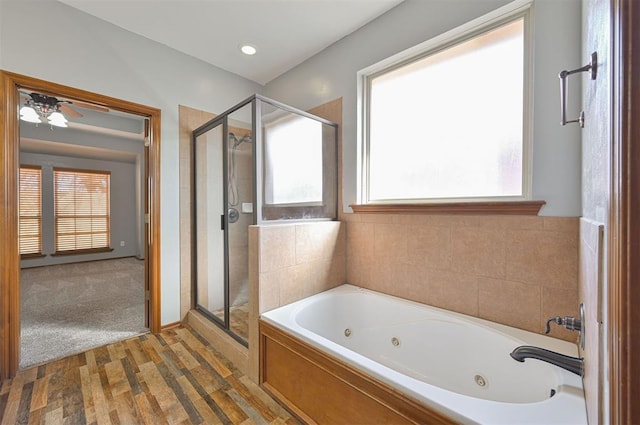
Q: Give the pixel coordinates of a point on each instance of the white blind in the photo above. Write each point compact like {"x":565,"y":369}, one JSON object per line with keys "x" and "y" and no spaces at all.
{"x":81,"y":209}
{"x":30,"y":210}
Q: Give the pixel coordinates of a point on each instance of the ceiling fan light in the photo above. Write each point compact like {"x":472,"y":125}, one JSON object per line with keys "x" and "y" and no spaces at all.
{"x":28,"y":114}
{"x":57,"y":119}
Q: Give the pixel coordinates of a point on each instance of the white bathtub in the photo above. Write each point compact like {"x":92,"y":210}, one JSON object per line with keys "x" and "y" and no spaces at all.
{"x":456,"y":364}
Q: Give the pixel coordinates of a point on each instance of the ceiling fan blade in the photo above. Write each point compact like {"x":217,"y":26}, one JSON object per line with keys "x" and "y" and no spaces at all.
{"x":90,"y":106}
{"x":69,"y":111}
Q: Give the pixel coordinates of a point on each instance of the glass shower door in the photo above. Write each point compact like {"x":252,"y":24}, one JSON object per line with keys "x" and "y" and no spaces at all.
{"x":258,"y":163}
{"x":209,"y":207}
{"x":240,"y":181}
{"x":223,"y":198}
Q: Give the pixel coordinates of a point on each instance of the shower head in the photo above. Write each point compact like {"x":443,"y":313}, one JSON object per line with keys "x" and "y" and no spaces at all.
{"x":235,"y":142}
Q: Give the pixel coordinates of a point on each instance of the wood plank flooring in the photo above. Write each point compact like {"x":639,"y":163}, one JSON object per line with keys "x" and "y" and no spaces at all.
{"x":175,"y":377}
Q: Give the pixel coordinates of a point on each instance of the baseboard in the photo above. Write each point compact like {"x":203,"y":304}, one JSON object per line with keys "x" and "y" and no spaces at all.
{"x":170,"y":326}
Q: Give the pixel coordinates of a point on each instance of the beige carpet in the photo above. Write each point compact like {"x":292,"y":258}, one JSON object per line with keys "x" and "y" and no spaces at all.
{"x":67,"y":309}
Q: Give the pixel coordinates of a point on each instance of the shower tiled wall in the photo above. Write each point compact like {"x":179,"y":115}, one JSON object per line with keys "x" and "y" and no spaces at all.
{"x":514,"y":270}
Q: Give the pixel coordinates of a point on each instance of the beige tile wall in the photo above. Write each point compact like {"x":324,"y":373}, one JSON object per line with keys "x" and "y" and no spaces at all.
{"x":295,"y":261}
{"x":514,"y":270}
{"x":591,"y":294}
{"x":289,"y":262}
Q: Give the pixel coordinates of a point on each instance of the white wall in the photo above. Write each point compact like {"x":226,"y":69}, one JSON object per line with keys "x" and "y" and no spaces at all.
{"x":556,"y":151}
{"x":96,"y":56}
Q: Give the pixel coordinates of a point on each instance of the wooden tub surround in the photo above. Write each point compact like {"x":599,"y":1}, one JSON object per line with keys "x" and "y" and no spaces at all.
{"x":321,"y":389}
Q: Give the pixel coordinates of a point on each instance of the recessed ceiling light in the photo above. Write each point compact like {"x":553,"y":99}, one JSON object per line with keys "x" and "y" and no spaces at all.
{"x":248,"y":49}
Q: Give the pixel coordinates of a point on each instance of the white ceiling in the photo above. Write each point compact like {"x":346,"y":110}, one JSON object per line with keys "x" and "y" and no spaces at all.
{"x":286,"y":32}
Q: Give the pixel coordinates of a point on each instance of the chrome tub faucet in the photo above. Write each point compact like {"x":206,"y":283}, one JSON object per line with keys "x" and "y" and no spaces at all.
{"x":572,"y":364}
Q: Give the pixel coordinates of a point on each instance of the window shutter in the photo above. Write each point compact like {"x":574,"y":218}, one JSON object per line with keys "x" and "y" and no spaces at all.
{"x":30,"y":210}
{"x":82,"y":219}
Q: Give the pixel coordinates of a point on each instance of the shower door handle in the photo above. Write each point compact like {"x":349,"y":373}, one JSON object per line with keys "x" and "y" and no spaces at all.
{"x":222,"y":222}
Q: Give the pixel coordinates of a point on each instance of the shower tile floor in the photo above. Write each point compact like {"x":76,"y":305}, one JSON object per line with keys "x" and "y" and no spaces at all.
{"x":239,"y":319}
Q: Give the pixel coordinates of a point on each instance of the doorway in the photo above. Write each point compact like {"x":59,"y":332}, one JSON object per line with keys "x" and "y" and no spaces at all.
{"x":12,"y":85}
{"x":81,"y":225}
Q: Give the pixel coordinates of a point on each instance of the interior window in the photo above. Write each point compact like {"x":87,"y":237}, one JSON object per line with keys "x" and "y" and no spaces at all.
{"x":448,"y":124}
{"x":30,"y":207}
{"x":81,"y":204}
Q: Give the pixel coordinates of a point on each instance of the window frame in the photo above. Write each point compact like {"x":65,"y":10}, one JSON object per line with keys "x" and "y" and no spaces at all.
{"x":499,"y":17}
{"x":91,"y":250}
{"x":38,"y":253}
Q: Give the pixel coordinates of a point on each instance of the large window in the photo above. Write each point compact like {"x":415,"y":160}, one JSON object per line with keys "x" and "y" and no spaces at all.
{"x":30,"y":222}
{"x":448,"y":123}
{"x":81,"y":203}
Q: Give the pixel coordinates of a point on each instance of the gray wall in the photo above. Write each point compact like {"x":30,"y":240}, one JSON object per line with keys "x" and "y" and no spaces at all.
{"x":102,"y":58}
{"x":556,"y":150}
{"x":123,"y":207}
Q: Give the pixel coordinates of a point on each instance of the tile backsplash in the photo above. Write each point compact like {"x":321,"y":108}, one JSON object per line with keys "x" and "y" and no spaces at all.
{"x":515,"y":270}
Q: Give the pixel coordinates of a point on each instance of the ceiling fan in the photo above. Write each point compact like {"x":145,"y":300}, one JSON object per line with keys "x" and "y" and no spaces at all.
{"x":37,"y":107}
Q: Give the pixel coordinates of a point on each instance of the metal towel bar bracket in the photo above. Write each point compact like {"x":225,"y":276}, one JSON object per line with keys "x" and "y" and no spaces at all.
{"x":593,"y":67}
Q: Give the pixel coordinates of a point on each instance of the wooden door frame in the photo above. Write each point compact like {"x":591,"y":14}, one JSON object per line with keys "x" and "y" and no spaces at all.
{"x":624,"y":235}
{"x":9,"y":169}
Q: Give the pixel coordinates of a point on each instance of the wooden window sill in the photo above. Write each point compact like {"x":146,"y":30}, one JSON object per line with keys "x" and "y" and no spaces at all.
{"x":81,"y":251}
{"x":470,"y":208}
{"x":30,"y":256}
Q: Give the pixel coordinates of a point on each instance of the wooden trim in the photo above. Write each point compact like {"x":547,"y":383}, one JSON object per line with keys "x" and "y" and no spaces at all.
{"x":81,"y":170}
{"x":624,"y":234}
{"x":475,"y":208}
{"x":32,"y":255}
{"x":31,"y":167}
{"x":154,"y":241}
{"x":9,"y":252}
{"x":146,"y":235}
{"x":334,"y":389}
{"x":9,"y":167}
{"x":171,"y":325}
{"x":81,"y":251}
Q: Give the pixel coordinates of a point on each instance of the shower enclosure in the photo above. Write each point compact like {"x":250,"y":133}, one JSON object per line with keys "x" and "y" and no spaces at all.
{"x":260,"y":162}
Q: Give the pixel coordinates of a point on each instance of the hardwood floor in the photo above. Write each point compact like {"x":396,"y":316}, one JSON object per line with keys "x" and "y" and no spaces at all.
{"x":175,"y":377}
